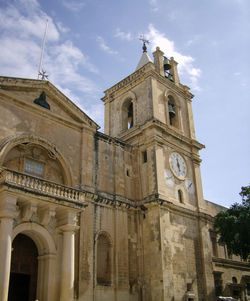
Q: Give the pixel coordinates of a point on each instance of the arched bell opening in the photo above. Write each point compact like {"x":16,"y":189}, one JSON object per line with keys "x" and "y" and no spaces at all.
{"x":24,"y":269}
{"x":127,"y":115}
{"x":172,"y":111}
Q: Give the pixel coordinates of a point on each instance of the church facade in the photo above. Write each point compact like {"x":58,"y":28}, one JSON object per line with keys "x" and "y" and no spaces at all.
{"x":113,"y":216}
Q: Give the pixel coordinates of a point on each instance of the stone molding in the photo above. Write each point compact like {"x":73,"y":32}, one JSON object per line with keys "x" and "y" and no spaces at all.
{"x":229,"y":263}
{"x":139,"y":76}
{"x":22,"y":84}
{"x":42,"y":187}
{"x":7,"y":144}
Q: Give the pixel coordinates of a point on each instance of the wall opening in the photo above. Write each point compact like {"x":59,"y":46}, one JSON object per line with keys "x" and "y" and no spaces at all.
{"x":144,"y":157}
{"x":173,"y":112}
{"x":127,"y":115}
{"x":180,"y":196}
{"x":103,"y":260}
{"x":24,"y":266}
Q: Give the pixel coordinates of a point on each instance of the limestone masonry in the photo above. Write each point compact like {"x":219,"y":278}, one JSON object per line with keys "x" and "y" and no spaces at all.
{"x":113,"y":216}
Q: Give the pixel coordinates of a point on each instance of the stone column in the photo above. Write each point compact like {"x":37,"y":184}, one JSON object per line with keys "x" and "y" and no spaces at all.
{"x":174,"y":71}
{"x":158,"y":61}
{"x":68,"y":262}
{"x":7,"y":214}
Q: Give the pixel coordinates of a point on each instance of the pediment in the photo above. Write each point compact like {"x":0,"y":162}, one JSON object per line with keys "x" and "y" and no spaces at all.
{"x":44,"y":97}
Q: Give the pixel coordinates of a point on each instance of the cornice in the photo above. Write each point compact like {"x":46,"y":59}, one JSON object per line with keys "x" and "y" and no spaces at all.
{"x":112,"y":140}
{"x":162,"y":138}
{"x":228,"y":263}
{"x":26,"y":85}
{"x":139,"y":76}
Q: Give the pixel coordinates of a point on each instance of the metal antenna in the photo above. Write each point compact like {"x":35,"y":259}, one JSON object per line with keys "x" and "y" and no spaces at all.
{"x":142,"y":38}
{"x":41,"y":73}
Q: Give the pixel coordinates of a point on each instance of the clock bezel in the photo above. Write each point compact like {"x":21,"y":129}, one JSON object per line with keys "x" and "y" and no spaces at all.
{"x":185,"y":161}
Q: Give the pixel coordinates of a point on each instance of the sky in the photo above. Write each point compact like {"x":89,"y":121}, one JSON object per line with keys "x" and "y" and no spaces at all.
{"x":93,"y":44}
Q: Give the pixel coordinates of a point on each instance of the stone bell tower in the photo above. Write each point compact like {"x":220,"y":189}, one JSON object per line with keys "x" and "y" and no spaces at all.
{"x":151,"y":110}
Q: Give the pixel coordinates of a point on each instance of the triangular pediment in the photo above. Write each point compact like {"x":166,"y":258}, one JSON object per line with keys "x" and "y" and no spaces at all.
{"x":44,"y":97}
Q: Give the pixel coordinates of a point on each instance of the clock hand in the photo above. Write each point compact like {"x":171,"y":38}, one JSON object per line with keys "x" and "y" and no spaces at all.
{"x":178,"y":164}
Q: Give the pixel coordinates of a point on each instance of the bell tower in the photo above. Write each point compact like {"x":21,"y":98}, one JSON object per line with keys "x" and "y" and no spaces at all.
{"x":152,"y":111}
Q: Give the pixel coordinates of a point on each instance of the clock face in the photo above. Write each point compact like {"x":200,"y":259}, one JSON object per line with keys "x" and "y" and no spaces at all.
{"x":190,"y":186}
{"x":178,"y":166}
{"x":169,"y":178}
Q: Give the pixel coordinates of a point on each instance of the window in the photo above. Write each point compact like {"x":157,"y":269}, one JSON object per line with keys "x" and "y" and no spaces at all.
{"x":180,"y":196}
{"x":248,"y":289}
{"x":130,"y":116}
{"x":214,"y":243}
{"x":144,"y":157}
{"x":34,"y":168}
{"x":127,"y":115}
{"x":103,"y":260}
{"x":172,"y":112}
{"x":218,"y":284}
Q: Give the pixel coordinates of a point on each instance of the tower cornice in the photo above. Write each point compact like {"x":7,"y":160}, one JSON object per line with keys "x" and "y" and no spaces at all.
{"x":139,"y":76}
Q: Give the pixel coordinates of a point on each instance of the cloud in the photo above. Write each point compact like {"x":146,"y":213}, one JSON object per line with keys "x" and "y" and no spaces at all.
{"x":62,"y":28}
{"x":21,"y":39}
{"x":194,"y":40}
{"x":185,"y":63}
{"x":122,"y":35}
{"x":74,"y":6}
{"x":104,"y":46}
{"x":24,"y":24}
{"x":154,"y":5}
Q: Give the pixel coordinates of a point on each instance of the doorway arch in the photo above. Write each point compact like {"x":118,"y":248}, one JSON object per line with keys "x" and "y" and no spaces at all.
{"x":24,"y":266}
{"x":46,"y":259}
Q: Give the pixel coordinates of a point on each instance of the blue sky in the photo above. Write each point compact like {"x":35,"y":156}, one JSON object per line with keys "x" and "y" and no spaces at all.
{"x":92,"y":44}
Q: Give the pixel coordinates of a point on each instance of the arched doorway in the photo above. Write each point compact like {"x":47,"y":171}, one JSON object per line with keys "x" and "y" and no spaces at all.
{"x":24,"y":266}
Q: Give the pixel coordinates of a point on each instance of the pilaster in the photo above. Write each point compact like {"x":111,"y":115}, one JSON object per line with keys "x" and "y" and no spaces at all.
{"x":7,"y":214}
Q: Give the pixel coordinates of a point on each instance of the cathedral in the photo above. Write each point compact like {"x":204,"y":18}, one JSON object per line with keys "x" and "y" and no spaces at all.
{"x":113,"y":216}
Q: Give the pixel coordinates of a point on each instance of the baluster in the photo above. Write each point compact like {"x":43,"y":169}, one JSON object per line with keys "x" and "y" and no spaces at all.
{"x":8,"y":176}
{"x":27,"y":181}
{"x":23,"y":180}
{"x":32,"y":183}
{"x":39,"y":185}
{"x":47,"y":188}
{"x":35,"y":184}
{"x":54,"y":190}
{"x":19,"y":179}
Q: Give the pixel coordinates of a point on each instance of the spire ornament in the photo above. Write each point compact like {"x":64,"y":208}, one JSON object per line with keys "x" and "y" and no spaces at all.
{"x":144,"y":47}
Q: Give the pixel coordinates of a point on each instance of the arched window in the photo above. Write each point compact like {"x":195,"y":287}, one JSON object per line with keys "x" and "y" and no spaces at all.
{"x":127,"y":115}
{"x":180,"y":196}
{"x":172,"y":112}
{"x":103,"y":260}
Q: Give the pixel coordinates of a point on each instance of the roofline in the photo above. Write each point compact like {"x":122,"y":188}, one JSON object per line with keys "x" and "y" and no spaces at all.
{"x":54,"y":87}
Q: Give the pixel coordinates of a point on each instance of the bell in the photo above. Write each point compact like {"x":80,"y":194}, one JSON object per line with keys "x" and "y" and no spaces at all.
{"x":171,"y":110}
{"x":166,"y":64}
{"x":170,"y":77}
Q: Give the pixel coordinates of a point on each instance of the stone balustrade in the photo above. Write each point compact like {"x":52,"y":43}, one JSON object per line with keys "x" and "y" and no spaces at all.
{"x":39,"y":186}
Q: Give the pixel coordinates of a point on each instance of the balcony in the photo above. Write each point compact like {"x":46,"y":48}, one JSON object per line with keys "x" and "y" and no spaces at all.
{"x":38,"y":186}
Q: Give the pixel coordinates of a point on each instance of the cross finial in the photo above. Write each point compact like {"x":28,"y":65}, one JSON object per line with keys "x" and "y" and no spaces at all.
{"x":144,"y":47}
{"x":42,"y":75}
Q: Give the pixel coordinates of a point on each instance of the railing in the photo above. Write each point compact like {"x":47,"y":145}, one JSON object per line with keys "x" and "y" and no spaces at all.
{"x":40,"y":186}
